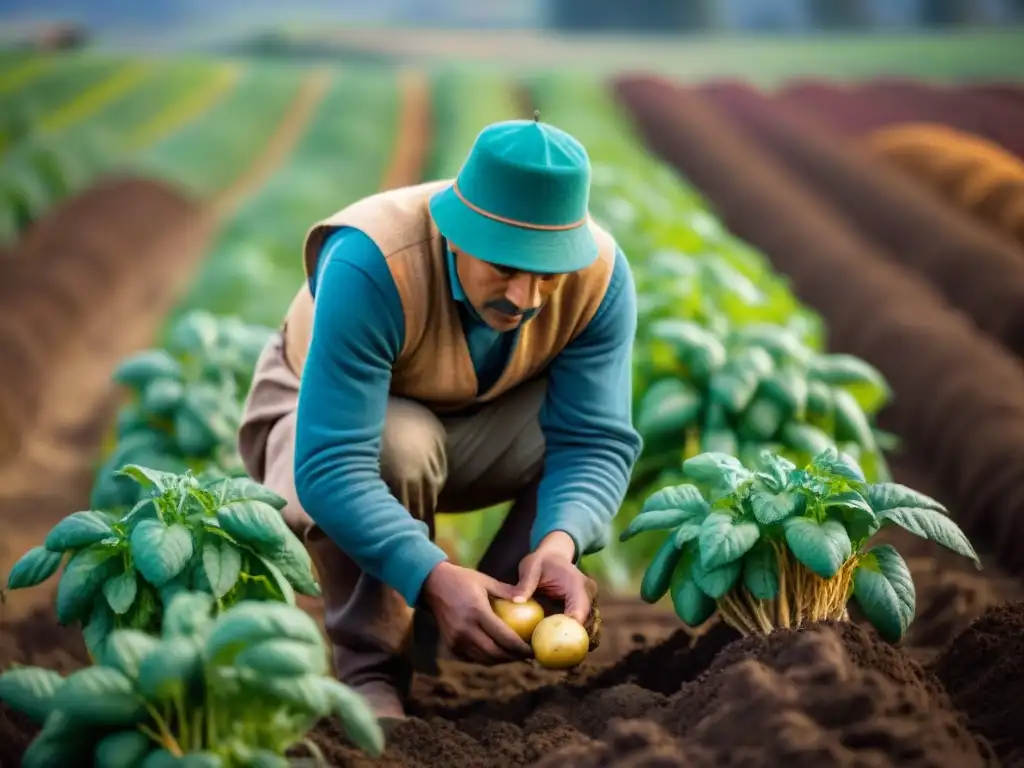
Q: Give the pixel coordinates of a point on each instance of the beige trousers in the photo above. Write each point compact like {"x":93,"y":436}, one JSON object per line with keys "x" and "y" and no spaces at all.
{"x":431,"y":464}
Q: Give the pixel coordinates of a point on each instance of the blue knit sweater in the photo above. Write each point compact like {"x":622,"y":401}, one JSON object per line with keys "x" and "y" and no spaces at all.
{"x":358,"y":331}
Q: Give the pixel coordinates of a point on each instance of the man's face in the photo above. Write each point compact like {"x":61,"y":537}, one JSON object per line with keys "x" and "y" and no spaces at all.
{"x":501,"y":296}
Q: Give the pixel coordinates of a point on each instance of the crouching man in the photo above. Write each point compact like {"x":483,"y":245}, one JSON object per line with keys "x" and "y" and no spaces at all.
{"x":458,"y":345}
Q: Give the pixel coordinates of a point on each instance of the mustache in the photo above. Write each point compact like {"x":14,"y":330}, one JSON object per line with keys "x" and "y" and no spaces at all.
{"x":506,"y":307}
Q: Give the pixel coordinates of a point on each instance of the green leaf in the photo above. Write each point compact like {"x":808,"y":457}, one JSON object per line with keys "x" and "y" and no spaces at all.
{"x":716,"y":582}
{"x":141,"y":368}
{"x":357,"y":718}
{"x":187,"y":614}
{"x":81,"y":580}
{"x":304,"y":692}
{"x":203,"y":759}
{"x":123,"y":749}
{"x":60,"y":743}
{"x":934,"y":526}
{"x":101,"y":696}
{"x":685,"y":533}
{"x":161,"y":758}
{"x":856,"y":513}
{"x":171,"y":669}
{"x":771,"y":508}
{"x":77,"y":530}
{"x":658,"y":576}
{"x":30,"y":690}
{"x":264,"y":758}
{"x":884,"y":496}
{"x":856,"y":376}
{"x":230,"y":490}
{"x":160,"y":551}
{"x":283,"y":657}
{"x":821,"y":547}
{"x":99,"y":626}
{"x":34,"y":567}
{"x":222,"y":563}
{"x":667,"y":408}
{"x":254,"y":522}
{"x":832,"y":462}
{"x":884,"y":590}
{"x":761,"y":571}
{"x":283,"y":588}
{"x":851,"y":423}
{"x":719,"y":470}
{"x":666,"y":509}
{"x":691,"y":605}
{"x":725,"y":538}
{"x":804,"y":438}
{"x":120,"y":591}
{"x":125,"y":649}
{"x":295,"y":565}
{"x":162,"y":396}
{"x":253,"y":622}
{"x":159,"y":481}
{"x":774,"y":470}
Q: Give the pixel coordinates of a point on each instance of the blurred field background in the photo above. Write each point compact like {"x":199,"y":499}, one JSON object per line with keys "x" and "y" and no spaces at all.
{"x":164,"y":157}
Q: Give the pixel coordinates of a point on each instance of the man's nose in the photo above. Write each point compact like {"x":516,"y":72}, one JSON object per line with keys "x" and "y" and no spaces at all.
{"x":522,"y":291}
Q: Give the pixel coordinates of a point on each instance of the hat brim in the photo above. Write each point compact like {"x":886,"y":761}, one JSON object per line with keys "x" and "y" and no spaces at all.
{"x":530,"y":250}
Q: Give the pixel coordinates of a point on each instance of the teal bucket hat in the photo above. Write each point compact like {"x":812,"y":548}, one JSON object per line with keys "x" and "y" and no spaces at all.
{"x":521,"y":200}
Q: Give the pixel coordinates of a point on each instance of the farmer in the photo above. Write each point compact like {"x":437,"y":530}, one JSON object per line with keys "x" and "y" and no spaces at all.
{"x":458,"y":344}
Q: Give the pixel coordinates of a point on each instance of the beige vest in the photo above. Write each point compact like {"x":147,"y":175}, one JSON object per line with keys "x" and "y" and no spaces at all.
{"x":434,"y":366}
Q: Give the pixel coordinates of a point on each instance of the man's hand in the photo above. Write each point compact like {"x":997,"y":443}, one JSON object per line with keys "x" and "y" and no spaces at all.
{"x":550,"y":569}
{"x":460,"y":601}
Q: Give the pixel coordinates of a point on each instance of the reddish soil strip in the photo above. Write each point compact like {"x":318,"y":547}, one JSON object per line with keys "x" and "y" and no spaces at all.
{"x":959,"y":398}
{"x":967,"y":170}
{"x":978,"y":269}
{"x":120,"y":307}
{"x":854,"y":110}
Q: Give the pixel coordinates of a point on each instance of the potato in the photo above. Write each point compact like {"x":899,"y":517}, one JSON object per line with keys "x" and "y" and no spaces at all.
{"x":521,"y":617}
{"x":560,"y":642}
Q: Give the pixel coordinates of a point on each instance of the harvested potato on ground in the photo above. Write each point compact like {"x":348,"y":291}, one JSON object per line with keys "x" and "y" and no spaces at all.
{"x":521,"y":617}
{"x":560,"y":642}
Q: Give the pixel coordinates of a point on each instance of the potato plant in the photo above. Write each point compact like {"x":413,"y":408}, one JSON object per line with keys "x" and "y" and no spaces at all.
{"x":234,"y":690}
{"x":185,"y":406}
{"x":224,"y":537}
{"x":779,"y":546}
{"x":751,"y":388}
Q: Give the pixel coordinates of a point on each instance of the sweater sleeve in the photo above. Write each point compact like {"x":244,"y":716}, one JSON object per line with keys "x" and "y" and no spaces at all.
{"x":587,"y":423}
{"x":358,"y":330}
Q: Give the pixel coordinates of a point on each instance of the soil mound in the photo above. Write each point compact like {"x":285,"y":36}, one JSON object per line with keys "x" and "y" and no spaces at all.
{"x":983,"y":672}
{"x":832,"y":694}
{"x":64,"y":266}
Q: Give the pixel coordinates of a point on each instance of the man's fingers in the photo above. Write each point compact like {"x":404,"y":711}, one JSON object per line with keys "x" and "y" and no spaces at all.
{"x":577,"y":602}
{"x":500,"y":632}
{"x":529,"y":577}
{"x":483,"y":650}
{"x":496,"y":588}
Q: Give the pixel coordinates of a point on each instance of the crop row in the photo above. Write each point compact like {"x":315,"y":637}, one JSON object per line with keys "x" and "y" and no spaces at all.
{"x":958,"y":402}
{"x":66,"y":119}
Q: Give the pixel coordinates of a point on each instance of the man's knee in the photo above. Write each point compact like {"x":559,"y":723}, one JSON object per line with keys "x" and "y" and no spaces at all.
{"x":413,"y":461}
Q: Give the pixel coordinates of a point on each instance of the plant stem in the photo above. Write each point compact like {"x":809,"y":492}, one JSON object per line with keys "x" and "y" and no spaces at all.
{"x":803,"y":597}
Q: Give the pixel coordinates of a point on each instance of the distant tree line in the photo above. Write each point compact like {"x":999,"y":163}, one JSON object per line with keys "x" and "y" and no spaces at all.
{"x":653,"y":16}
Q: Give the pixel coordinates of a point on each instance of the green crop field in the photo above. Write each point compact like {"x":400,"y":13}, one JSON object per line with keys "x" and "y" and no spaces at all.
{"x":202,"y":123}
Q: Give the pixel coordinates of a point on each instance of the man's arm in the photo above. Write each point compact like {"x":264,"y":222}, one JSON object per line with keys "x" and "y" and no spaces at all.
{"x":358,"y":330}
{"x":587,"y":423}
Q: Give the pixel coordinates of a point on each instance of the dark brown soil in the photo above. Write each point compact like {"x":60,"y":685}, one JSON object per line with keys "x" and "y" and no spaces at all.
{"x":959,"y":397}
{"x":829,"y":695}
{"x":976,"y":267}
